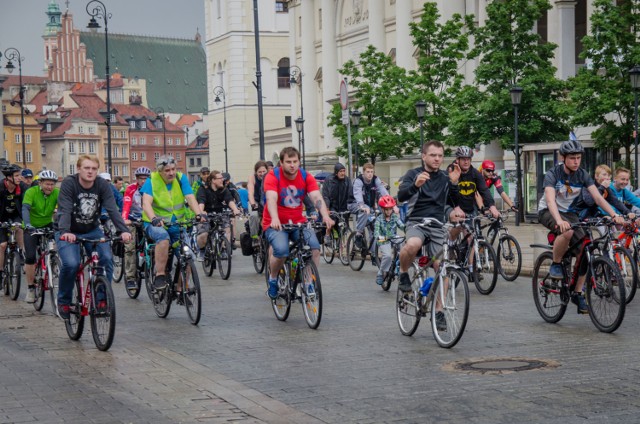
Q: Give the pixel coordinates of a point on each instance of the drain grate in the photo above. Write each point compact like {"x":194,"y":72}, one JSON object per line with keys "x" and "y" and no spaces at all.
{"x":497,"y":366}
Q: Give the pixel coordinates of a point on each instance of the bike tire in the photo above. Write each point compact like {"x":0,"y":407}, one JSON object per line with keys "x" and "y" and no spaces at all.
{"x":408,"y":304}
{"x":605,"y":294}
{"x":343,"y":248}
{"x":485,"y":274}
{"x":192,"y":296}
{"x":75,"y":323}
{"x":455,"y":308}
{"x":281,"y":305}
{"x":356,"y":259}
{"x":39,"y":287}
{"x":54,"y":281}
{"x":328,"y":252}
{"x":103,"y":322}
{"x":509,"y":257}
{"x":224,"y":264}
{"x":208,"y":264}
{"x":149,"y":268}
{"x":546,"y":291}
{"x":388,"y":278}
{"x":258,"y":257}
{"x":118,"y":266}
{"x":311,"y":293}
{"x":15,"y":274}
{"x":629,"y":270}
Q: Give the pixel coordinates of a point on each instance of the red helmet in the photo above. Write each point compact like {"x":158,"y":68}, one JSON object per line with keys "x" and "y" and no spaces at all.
{"x":487,"y":164}
{"x":387,"y":202}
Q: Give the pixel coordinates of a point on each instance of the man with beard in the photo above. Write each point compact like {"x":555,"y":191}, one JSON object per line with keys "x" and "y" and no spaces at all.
{"x":337,"y":192}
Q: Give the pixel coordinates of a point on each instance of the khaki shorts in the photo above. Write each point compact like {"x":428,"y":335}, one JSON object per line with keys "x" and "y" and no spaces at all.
{"x":433,"y":237}
{"x":545,"y":218}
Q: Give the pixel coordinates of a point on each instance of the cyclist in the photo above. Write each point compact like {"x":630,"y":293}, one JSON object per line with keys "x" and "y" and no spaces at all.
{"x":81,"y":198}
{"x":488,"y":170}
{"x":557,"y":210}
{"x":116,"y":193}
{"x":163,"y":203}
{"x":337,"y":191}
{"x":204,"y":174}
{"x":620,"y":190}
{"x":118,"y":183}
{"x":132,"y":210}
{"x":285,"y":189}
{"x":386,"y":228}
{"x":471,"y":182}
{"x":27,"y":177}
{"x":587,"y":205}
{"x":38,"y":206}
{"x":244,"y":197}
{"x":254,"y":186}
{"x":214,"y":197}
{"x":11,"y":194}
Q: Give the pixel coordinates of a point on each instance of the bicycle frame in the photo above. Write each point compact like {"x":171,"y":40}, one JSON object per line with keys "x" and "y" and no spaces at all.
{"x":94,"y":269}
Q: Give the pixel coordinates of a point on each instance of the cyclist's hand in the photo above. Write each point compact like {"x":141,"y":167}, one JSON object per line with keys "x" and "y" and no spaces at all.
{"x":365,"y":209}
{"x":127,"y":221}
{"x":275,"y":224}
{"x":328,"y":222}
{"x":494,"y":212}
{"x":454,"y":173}
{"x":157,"y":222}
{"x":631,"y":216}
{"x":254,"y":207}
{"x":564,"y":226}
{"x":396,"y":210}
{"x":422,"y":178}
{"x":30,"y":228}
{"x":618,"y":219}
{"x":456,"y":215}
{"x":68,"y":237}
{"x":126,"y":237}
{"x":513,"y":208}
{"x":202,"y":217}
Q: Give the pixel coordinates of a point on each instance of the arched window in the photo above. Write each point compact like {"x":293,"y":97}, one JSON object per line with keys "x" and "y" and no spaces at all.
{"x":283,"y":73}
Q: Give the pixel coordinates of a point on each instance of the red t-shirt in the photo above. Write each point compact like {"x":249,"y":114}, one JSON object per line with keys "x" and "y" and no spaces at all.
{"x":496,"y":182}
{"x":291,"y":193}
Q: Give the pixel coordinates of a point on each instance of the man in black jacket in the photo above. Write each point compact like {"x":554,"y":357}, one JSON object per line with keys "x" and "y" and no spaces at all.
{"x":337,"y":192}
{"x":11,"y":194}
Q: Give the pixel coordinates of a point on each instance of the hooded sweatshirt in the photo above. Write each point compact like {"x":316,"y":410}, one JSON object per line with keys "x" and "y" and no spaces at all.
{"x":337,"y":193}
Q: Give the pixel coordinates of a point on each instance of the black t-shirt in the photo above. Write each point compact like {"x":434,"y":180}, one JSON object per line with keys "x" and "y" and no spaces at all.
{"x":469,"y":183}
{"x":11,"y":202}
{"x":214,"y":201}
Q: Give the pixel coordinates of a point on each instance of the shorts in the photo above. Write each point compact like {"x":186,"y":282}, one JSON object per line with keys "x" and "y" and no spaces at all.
{"x":279,"y":240}
{"x":433,"y":237}
{"x":158,"y":234}
{"x":545,"y":218}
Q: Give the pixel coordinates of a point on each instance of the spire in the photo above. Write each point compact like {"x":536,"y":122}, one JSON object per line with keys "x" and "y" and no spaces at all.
{"x":53,"y":19}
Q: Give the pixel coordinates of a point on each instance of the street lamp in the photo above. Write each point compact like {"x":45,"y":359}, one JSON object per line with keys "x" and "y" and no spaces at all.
{"x":219,"y":91}
{"x":97,"y":9}
{"x":634,"y":73}
{"x":516,"y":98}
{"x":355,"y":121}
{"x":295,"y":74}
{"x":300,"y":129}
{"x":159,"y":110}
{"x":13,"y":54}
{"x":421,"y":106}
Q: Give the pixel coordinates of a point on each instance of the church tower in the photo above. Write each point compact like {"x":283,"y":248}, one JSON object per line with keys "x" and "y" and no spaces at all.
{"x":50,"y":32}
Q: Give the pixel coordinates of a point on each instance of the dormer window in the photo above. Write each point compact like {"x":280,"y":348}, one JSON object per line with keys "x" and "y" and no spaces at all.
{"x":112,"y":117}
{"x":48,"y":127}
{"x":143,"y":124}
{"x":132,"y":125}
{"x":159,"y":124}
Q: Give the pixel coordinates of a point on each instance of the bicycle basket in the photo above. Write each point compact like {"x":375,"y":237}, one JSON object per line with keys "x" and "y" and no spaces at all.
{"x":246,"y":244}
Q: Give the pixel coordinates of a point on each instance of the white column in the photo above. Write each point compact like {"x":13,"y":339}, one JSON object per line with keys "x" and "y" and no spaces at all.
{"x":309,"y":68}
{"x":404,"y":47}
{"x":329,"y":69}
{"x":553,"y":34}
{"x":376,"y":24}
{"x":566,"y":38}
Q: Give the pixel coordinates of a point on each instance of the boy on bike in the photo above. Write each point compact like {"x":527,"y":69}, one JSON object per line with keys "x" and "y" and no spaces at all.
{"x":132,"y":210}
{"x":386,"y":227}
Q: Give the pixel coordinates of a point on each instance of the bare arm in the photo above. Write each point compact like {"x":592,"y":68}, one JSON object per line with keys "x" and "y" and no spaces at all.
{"x":506,"y":199}
{"x":146,"y":206}
{"x":193,"y":204}
{"x":318,"y":201}
{"x":272,"y":207}
{"x":251,"y":187}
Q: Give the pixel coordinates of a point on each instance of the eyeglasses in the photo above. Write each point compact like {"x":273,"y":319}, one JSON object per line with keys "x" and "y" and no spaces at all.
{"x":490,"y":171}
{"x":217,"y":178}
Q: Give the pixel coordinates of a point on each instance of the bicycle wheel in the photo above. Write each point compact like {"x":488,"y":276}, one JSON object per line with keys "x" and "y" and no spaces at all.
{"x":75,"y":323}
{"x":492,"y":234}
{"x":54,"y":278}
{"x":546,"y":291}
{"x":628,"y":270}
{"x":223,"y":257}
{"x":282,"y":304}
{"x":409,"y":304}
{"x":258,"y":256}
{"x":118,"y":268}
{"x":389,"y":277}
{"x":356,"y":258}
{"x":5,"y":280}
{"x":209,"y":258}
{"x":135,"y":291}
{"x":39,"y":285}
{"x":15,"y":274}
{"x":103,"y":314}
{"x":605,"y":294}
{"x":191,"y":292}
{"x":311,"y":293}
{"x":343,"y":248}
{"x":149,"y":269}
{"x":451,"y":298}
{"x":485,"y":271}
{"x":509,"y":257}
{"x":328,"y":251}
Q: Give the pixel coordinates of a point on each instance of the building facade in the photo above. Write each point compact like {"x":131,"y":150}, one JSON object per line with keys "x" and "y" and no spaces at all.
{"x":197,"y":156}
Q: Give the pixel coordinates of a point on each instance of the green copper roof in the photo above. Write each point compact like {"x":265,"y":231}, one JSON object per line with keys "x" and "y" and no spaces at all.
{"x":175,"y":69}
{"x":53,"y":19}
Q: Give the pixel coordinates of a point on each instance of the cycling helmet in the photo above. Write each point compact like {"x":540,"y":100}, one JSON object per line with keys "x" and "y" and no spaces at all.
{"x":387,"y":202}
{"x":464,"y":152}
{"x":27,"y":173}
{"x":487,"y":164}
{"x":9,"y":170}
{"x":48,"y":174}
{"x":204,"y":169}
{"x":226,"y":177}
{"x":571,"y":147}
{"x":105,"y":176}
{"x":143,"y":170}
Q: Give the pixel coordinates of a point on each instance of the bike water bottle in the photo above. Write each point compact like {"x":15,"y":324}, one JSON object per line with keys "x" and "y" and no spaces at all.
{"x":294,"y":267}
{"x":426,"y":285}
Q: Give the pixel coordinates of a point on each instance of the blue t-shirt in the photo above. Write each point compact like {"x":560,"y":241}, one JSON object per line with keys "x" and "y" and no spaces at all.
{"x":184,"y":185}
{"x":244,"y":198}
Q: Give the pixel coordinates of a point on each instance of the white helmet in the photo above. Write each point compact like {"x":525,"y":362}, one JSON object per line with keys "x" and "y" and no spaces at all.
{"x":47,"y":174}
{"x":105,"y":176}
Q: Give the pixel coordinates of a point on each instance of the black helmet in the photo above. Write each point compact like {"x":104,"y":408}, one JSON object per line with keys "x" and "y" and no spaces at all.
{"x":226,"y":177}
{"x":571,"y":147}
{"x":9,"y":170}
{"x":464,"y":152}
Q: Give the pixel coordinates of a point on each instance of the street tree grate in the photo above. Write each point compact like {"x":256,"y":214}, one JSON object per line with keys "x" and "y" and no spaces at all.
{"x":497,"y":366}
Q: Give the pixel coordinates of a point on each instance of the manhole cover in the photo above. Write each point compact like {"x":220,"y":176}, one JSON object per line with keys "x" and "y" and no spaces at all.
{"x":500,"y":365}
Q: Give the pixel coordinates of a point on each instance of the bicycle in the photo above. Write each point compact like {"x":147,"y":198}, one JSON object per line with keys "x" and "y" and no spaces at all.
{"x":117,"y":250}
{"x":185,"y":275}
{"x":339,"y":236}
{"x":483,"y":271}
{"x":217,"y":251}
{"x":394,"y":271}
{"x":298,"y":279}
{"x":628,"y":239}
{"x":605,"y":288}
{"x":141,"y":263}
{"x":94,"y":299}
{"x":47,"y":269}
{"x":509,"y":253}
{"x":448,"y":295}
{"x":12,"y":272}
{"x":260,"y":244}
{"x":357,"y":256}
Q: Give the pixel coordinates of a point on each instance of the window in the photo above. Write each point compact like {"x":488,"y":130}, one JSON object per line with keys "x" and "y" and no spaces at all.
{"x":156,"y":141}
{"x":72,"y":147}
{"x":143,"y":140}
{"x":116,"y":170}
{"x":114,"y":134}
{"x":132,"y":125}
{"x":92,"y":147}
{"x":177,"y":141}
{"x":199,"y":161}
{"x":283,"y":73}
{"x":287,"y":121}
{"x":48,"y":127}
{"x":178,"y":156}
{"x":197,"y":131}
{"x":281,"y":6}
{"x":81,"y":147}
{"x":29,"y":157}
{"x":123,"y":134}
{"x":115,"y":152}
{"x":156,"y":155}
{"x":92,"y":130}
{"x":125,"y":170}
{"x":218,"y":9}
{"x":192,"y":162}
{"x":18,"y":156}
{"x":134,"y":141}
{"x":81,"y":129}
{"x":170,"y":141}
{"x":143,"y":125}
{"x":134,"y":156}
{"x":17,"y":138}
{"x":112,"y":117}
{"x":43,"y":151}
{"x":124,"y":151}
{"x":72,"y":169}
{"x":159,"y":123}
{"x":27,"y":138}
{"x":143,"y":156}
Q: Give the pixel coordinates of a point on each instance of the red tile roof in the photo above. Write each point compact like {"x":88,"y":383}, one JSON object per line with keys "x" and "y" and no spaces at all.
{"x":188,"y":120}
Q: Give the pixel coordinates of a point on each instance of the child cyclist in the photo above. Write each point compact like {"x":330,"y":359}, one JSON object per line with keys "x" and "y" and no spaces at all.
{"x":386,"y":227}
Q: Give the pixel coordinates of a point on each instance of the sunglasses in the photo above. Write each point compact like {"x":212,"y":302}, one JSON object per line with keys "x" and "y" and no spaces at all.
{"x":166,"y":162}
{"x":490,"y":171}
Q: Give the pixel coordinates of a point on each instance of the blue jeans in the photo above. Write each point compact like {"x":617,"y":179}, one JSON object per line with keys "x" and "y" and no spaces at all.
{"x":158,"y":234}
{"x":279,"y":240}
{"x":69,"y":254}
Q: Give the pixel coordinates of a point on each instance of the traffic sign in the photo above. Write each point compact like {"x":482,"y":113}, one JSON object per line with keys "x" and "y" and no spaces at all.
{"x":344,"y":96}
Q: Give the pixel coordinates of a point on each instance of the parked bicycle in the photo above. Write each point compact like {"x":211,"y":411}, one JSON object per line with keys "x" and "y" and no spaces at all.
{"x":217,"y":251}
{"x":339,"y":235}
{"x":47,"y":271}
{"x":12,"y":261}
{"x":484,"y":270}
{"x":508,"y":252}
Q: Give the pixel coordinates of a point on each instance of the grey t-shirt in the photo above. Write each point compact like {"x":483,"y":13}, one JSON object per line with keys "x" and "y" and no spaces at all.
{"x":567,"y":186}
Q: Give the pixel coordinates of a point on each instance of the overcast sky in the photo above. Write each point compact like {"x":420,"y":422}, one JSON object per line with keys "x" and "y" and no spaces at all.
{"x":22,"y":23}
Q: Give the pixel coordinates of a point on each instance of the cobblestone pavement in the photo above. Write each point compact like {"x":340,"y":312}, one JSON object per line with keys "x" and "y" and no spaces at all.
{"x":241,"y":364}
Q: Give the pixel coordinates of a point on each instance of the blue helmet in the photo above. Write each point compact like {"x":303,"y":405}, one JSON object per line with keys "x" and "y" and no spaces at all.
{"x":27,"y":173}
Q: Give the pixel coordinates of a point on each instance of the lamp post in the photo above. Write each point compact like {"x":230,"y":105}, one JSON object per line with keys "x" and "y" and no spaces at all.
{"x":421,"y":106}
{"x":219,"y":91}
{"x":258,"y":83}
{"x":159,"y":110}
{"x":97,"y":9}
{"x":300,"y":129}
{"x":295,"y":74}
{"x":355,"y":121}
{"x":516,"y":98}
{"x":13,"y":54}
{"x":634,"y":73}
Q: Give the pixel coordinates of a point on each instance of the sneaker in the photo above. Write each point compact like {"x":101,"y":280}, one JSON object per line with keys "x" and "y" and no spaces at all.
{"x":64,"y":311}
{"x":31,"y":295}
{"x":358,"y":241}
{"x":273,"y":288}
{"x":379,"y":279}
{"x":101,"y":307}
{"x":555,"y":271}
{"x":405,"y":282}
{"x":328,"y":240}
{"x":160,"y":282}
{"x":441,"y":322}
{"x":200,"y":255}
{"x":374,"y":261}
{"x":131,"y":285}
{"x":579,"y":300}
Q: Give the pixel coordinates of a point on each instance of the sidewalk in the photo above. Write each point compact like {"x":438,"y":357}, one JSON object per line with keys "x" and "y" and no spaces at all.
{"x":525,"y":234}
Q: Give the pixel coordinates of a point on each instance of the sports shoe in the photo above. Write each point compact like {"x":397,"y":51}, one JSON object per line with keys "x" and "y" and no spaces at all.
{"x":441,"y":322}
{"x":358,"y":241}
{"x":405,"y":282}
{"x":379,"y":279}
{"x":101,"y":307}
{"x":31,"y":295}
{"x":64,"y":311}
{"x":579,"y":300}
{"x":200,"y":255}
{"x":555,"y":271}
{"x":273,"y":288}
{"x":327,"y":240}
{"x":131,"y":285}
{"x":160,"y":282}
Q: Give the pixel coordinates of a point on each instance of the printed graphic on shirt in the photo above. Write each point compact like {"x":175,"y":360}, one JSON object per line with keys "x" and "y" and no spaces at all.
{"x":11,"y":207}
{"x":85,"y":208}
{"x":467,"y":188}
{"x":291,"y":197}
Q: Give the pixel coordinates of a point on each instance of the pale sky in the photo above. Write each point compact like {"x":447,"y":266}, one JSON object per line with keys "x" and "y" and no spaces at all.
{"x":22,"y":23}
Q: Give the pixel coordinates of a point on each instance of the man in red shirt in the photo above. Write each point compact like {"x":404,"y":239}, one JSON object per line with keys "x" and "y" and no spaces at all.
{"x":488,"y":169}
{"x":285,"y":188}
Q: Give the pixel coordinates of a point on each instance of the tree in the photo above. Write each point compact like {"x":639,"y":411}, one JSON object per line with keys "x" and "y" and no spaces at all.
{"x":601,"y":93}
